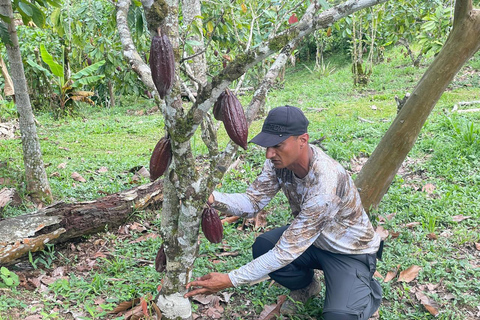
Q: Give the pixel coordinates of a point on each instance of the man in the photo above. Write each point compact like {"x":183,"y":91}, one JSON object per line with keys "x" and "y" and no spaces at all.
{"x":330,"y":230}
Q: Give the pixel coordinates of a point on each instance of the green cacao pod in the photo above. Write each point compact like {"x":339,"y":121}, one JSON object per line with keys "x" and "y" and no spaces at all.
{"x":160,"y":159}
{"x":162,"y":64}
{"x":161,"y":259}
{"x":212,"y":225}
{"x":234,"y":119}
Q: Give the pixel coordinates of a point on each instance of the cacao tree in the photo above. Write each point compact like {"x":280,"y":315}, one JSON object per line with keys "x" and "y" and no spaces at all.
{"x":185,"y":189}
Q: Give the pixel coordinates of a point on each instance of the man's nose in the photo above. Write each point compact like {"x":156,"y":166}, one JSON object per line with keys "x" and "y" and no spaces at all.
{"x":270,"y":153}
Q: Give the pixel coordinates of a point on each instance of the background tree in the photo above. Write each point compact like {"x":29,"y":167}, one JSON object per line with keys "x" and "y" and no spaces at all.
{"x":463,"y":42}
{"x":35,"y":176}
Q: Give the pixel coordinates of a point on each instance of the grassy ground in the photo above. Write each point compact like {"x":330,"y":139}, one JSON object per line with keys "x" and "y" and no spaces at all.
{"x":431,"y":210}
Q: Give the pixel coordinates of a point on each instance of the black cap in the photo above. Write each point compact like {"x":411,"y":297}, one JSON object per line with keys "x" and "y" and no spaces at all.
{"x":281,"y":123}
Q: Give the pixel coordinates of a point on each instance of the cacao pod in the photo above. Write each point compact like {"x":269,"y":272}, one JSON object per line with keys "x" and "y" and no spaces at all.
{"x":160,"y":159}
{"x":234,"y":119}
{"x":162,"y":64}
{"x":217,"y":107}
{"x":160,"y":259}
{"x":212,"y":225}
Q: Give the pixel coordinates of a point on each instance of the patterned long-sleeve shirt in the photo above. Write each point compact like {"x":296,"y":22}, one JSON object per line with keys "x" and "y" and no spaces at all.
{"x":327,"y":210}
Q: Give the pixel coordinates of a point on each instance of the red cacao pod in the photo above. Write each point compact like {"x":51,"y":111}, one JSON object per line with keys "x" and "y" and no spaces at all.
{"x":161,"y":259}
{"x":162,"y":64}
{"x":212,"y":225}
{"x":160,"y":159}
{"x":217,"y":107}
{"x":234,"y":119}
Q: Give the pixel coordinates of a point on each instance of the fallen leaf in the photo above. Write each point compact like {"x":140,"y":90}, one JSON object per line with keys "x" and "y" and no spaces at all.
{"x":102,"y":170}
{"x":382,"y":232}
{"x":394,"y":234}
{"x":390,"y":275}
{"x":428,"y":188}
{"x":77,"y":177}
{"x":374,"y":107}
{"x":391,"y":216}
{"x":271,"y":312}
{"x":33,"y":317}
{"x":409,"y":274}
{"x":55,"y":174}
{"x":460,"y":217}
{"x":261,"y":219}
{"x":125,"y":305}
{"x":477,"y":246}
{"x":412,"y":224}
{"x":428,"y":303}
{"x":378,"y":275}
{"x":145,"y":237}
{"x":62,"y":165}
{"x":432,"y":236}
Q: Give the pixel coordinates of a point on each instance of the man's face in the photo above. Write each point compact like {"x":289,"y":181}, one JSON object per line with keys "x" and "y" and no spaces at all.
{"x":286,"y":153}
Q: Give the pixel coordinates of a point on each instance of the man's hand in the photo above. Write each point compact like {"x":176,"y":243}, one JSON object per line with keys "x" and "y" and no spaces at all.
{"x":209,"y":283}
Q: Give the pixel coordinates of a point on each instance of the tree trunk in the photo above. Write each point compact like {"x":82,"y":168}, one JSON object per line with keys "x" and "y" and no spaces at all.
{"x":378,"y":172}
{"x":62,"y":222}
{"x":35,"y":175}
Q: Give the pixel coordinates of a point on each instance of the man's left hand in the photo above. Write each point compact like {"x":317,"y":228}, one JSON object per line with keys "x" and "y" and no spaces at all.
{"x":209,"y":283}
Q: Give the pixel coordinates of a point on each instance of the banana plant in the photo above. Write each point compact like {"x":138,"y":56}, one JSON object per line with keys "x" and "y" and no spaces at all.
{"x":67,"y":88}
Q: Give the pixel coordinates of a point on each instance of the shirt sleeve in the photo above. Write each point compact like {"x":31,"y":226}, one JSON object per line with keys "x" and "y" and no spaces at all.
{"x":257,"y":196}
{"x":315,"y":215}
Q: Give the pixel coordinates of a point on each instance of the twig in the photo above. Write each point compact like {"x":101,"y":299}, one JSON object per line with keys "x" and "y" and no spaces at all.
{"x":365,"y":120}
{"x":190,"y":75}
{"x":465,"y":103}
{"x":469,"y":110}
{"x":208,"y":42}
{"x":317,"y":109}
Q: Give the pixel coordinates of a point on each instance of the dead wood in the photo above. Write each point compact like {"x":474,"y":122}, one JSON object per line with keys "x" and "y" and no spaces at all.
{"x":62,"y":221}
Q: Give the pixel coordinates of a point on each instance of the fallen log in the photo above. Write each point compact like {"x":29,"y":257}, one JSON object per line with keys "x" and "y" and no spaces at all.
{"x":62,"y":221}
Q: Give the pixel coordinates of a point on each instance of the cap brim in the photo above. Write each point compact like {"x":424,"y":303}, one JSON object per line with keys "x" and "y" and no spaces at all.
{"x":268,"y":140}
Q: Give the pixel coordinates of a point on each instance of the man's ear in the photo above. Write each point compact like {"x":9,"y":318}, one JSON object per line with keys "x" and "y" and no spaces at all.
{"x":304,"y":138}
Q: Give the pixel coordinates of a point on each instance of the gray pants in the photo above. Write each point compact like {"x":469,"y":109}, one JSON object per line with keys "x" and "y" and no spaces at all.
{"x":351,"y":290}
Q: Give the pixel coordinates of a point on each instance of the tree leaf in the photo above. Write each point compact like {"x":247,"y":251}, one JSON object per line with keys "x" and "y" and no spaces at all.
{"x":56,"y":68}
{"x":87,"y":81}
{"x":4,"y":35}
{"x":88,"y":71}
{"x":25,"y":8}
{"x":38,"y":16}
{"x":39,"y":67}
{"x":409,"y":274}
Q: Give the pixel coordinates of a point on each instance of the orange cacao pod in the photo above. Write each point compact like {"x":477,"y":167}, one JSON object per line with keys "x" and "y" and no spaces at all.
{"x":234,"y":119}
{"x":162,"y":64}
{"x":160,"y":259}
{"x":160,"y":159}
{"x":212,"y":225}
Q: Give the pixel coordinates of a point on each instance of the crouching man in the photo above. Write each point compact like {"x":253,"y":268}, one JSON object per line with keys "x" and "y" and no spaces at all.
{"x":330,"y":230}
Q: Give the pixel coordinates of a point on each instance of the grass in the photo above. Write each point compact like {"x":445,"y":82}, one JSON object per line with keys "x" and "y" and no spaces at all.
{"x":446,"y":156}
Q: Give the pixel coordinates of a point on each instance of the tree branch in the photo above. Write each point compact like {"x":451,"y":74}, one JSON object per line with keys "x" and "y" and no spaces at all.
{"x":129,"y":50}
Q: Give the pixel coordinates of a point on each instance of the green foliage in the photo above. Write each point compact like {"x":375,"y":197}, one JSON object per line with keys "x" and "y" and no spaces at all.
{"x":63,"y":87}
{"x":8,"y":278}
